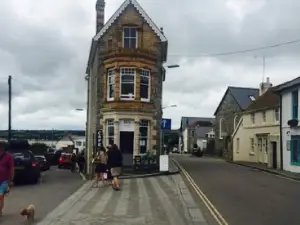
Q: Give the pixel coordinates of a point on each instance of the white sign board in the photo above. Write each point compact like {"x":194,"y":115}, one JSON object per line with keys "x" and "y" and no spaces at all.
{"x":163,"y":163}
{"x":126,"y":125}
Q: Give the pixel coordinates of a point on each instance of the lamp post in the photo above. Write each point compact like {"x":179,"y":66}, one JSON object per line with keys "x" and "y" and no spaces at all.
{"x":161,"y":130}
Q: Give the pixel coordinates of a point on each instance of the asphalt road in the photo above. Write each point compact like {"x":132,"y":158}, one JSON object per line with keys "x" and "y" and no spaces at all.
{"x":245,"y":196}
{"x":56,"y":186}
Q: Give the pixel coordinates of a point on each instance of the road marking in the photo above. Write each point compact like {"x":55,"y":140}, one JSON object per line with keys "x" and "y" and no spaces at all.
{"x":212,"y":209}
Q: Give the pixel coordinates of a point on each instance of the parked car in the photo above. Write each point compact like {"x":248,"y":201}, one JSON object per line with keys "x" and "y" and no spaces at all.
{"x":64,"y":161}
{"x":27,"y":167}
{"x":44,"y":164}
{"x":53,"y":156}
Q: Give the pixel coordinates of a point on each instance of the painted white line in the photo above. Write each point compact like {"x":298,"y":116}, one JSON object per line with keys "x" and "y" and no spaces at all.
{"x":212,"y":209}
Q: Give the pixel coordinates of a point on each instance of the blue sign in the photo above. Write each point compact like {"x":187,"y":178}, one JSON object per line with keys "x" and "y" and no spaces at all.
{"x":165,"y":124}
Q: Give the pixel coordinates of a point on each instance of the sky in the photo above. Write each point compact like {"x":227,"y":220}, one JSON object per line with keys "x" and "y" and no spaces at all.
{"x":45,"y":44}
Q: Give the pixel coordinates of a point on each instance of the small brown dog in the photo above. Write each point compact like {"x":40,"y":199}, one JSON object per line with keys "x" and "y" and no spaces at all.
{"x":29,"y":212}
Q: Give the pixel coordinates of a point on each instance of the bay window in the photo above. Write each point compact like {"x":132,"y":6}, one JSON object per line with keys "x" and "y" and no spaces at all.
{"x":145,"y":85}
{"x":127,"y":79}
{"x":143,"y":136}
{"x":110,"y":85}
{"x":110,"y":132}
{"x":130,"y":37}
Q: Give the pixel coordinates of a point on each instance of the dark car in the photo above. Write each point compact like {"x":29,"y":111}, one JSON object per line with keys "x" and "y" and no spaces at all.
{"x":44,"y":164}
{"x":27,"y":168}
{"x":53,"y":157}
{"x":197,"y":151}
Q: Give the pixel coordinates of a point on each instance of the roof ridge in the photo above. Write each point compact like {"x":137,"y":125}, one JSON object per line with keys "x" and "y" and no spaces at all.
{"x":140,"y":10}
{"x":243,"y":87}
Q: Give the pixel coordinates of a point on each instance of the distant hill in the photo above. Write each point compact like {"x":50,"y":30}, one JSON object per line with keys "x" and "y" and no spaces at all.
{"x":40,"y":134}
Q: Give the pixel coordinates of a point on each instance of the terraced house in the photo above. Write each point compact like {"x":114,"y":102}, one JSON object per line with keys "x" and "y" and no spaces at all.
{"x":125,"y":75}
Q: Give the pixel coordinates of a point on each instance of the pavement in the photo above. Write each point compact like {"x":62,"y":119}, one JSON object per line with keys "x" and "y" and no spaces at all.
{"x":243,"y":195}
{"x":287,"y":174}
{"x":55,"y":187}
{"x":159,"y":200}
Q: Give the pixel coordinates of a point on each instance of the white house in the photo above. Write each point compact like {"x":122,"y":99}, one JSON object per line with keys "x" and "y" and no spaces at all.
{"x":289,"y":124}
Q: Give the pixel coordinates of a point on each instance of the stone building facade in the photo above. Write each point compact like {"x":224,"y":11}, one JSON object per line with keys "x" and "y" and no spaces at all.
{"x":125,"y":75}
{"x":228,"y":114}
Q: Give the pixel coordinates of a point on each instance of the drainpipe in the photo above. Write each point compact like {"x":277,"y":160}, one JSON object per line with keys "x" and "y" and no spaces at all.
{"x":281,"y":148}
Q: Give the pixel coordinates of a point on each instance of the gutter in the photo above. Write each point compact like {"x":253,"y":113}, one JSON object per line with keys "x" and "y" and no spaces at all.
{"x":281,"y":148}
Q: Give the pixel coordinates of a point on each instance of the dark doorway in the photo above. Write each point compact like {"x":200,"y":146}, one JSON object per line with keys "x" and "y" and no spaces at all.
{"x":126,"y":146}
{"x":274,"y":149}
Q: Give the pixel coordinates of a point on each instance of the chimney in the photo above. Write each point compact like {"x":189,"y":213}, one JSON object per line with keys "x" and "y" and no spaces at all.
{"x":264,"y":86}
{"x":100,"y":5}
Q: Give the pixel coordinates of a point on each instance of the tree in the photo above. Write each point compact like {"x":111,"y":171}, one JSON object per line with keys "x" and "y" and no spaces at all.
{"x":39,"y":148}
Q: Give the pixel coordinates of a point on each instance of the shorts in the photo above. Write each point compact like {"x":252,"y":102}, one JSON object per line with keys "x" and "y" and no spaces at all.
{"x":3,"y":187}
{"x":115,"y":171}
{"x":101,"y":168}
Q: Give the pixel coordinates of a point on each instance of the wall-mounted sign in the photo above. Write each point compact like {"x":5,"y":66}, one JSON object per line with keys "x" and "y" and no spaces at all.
{"x":99,"y":138}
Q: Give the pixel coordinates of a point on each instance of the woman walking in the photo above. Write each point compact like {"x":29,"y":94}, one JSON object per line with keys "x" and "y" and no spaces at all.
{"x":101,"y":167}
{"x":114,"y":162}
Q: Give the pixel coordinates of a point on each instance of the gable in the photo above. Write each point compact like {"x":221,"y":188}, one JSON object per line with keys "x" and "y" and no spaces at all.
{"x":142,"y":13}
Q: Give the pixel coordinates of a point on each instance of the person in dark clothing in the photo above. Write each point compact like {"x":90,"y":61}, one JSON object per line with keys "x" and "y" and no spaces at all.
{"x":73,"y":162}
{"x":114,"y":162}
{"x":81,"y":162}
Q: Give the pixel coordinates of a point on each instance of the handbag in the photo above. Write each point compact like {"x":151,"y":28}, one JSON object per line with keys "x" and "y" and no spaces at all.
{"x":105,"y":176}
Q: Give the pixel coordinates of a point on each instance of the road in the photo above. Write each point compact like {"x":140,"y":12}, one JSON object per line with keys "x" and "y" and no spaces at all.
{"x":55,"y":187}
{"x":245,"y":196}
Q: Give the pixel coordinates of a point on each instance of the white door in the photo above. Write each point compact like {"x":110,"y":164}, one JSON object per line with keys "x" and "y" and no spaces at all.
{"x":266,"y":142}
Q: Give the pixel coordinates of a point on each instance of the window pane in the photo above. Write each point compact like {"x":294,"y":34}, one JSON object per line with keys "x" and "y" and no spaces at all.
{"x":144,"y":91}
{"x":110,"y":131}
{"x":133,"y":32}
{"x":144,"y":80}
{"x":126,"y":43}
{"x":127,"y":89}
{"x":111,"y":79}
{"x":143,"y":145}
{"x":132,"y":43}
{"x":127,"y":78}
{"x":143,"y":131}
{"x":126,"y":32}
{"x":111,"y":140}
{"x":111,"y":91}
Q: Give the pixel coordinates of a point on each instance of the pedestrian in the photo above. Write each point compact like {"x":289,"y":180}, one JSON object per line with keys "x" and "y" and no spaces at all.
{"x":101,"y":166}
{"x":7,"y":172}
{"x":114,"y":162}
{"x":73,"y":162}
{"x":81,"y":162}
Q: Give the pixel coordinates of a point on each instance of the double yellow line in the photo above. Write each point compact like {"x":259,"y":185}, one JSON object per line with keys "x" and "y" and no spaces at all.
{"x":214,"y":212}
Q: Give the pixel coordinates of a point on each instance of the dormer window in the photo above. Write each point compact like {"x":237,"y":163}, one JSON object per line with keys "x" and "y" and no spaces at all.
{"x":252,"y":98}
{"x":130,"y":37}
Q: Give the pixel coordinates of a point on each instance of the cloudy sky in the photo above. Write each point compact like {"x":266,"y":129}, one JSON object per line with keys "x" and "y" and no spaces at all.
{"x":44,"y":45}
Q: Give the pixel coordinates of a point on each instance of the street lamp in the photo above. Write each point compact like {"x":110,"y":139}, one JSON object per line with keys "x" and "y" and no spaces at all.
{"x":173,"y":66}
{"x":79,"y":110}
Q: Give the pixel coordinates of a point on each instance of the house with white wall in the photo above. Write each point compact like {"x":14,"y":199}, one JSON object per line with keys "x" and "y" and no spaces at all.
{"x":289,"y":124}
{"x":256,"y":138}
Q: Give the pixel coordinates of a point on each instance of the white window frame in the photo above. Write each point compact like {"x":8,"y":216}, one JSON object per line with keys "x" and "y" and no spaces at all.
{"x":253,"y":118}
{"x":149,"y":83}
{"x":237,"y":145}
{"x":109,"y":123}
{"x":110,"y":74}
{"x":128,"y":96}
{"x":136,"y":36}
{"x":143,"y":123}
{"x":277,"y":115}
{"x":264,"y":115}
{"x":252,"y":145}
{"x":220,"y":128}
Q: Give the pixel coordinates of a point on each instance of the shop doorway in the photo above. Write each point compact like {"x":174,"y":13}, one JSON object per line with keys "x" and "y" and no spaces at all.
{"x":126,"y":146}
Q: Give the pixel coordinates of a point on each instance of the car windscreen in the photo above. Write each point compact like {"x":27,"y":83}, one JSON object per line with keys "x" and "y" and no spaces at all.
{"x":21,"y":155}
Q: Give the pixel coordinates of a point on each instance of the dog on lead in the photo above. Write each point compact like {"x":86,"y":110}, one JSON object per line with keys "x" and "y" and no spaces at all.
{"x":29,"y":213}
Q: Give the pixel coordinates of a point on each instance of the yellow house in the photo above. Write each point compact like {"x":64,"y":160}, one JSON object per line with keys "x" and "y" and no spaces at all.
{"x":256,"y":138}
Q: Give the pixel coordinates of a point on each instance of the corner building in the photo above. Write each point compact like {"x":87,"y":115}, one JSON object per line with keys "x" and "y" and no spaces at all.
{"x":125,"y":76}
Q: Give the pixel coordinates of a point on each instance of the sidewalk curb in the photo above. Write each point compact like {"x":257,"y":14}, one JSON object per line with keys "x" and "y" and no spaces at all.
{"x":150,"y":174}
{"x":267,"y":171}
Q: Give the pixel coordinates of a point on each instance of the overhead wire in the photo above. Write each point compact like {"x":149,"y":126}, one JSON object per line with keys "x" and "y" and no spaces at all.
{"x":240,"y":51}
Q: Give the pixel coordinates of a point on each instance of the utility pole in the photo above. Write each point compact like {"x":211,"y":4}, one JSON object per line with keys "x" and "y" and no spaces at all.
{"x":9,"y":108}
